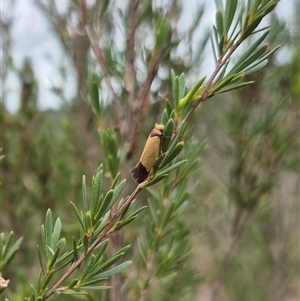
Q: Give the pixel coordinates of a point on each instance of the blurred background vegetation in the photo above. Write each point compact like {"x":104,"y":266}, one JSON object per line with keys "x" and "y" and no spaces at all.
{"x":243,"y":213}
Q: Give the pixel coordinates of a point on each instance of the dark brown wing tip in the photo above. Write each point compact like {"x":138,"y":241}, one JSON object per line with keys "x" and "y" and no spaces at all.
{"x":139,"y":173}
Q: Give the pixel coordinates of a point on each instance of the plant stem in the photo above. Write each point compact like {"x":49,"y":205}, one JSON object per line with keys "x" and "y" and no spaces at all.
{"x":105,"y":233}
{"x":220,"y":63}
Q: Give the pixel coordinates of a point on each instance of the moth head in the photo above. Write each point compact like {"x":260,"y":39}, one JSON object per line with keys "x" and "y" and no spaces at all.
{"x":159,"y":127}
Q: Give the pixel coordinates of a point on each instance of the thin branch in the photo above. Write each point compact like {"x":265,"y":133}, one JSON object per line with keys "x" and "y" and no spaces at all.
{"x":136,"y":111}
{"x":101,"y":59}
{"x":130,"y":73}
{"x":204,"y":96}
{"x":104,"y":234}
{"x":140,"y":101}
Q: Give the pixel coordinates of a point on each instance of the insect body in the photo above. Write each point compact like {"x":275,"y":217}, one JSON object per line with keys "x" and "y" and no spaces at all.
{"x":149,"y":155}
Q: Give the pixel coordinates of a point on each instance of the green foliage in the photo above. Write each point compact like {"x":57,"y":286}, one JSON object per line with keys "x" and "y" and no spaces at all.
{"x":165,"y":246}
{"x":87,"y":257}
{"x":8,"y":249}
{"x":111,"y":145}
{"x":93,"y":86}
{"x":93,"y":220}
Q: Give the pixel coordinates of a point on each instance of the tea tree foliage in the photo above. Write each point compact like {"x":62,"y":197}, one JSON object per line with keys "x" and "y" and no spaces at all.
{"x":98,"y":259}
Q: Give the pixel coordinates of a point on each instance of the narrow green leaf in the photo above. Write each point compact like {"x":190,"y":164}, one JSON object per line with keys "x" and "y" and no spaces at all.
{"x":253,"y":5}
{"x":230,"y":9}
{"x":72,"y":283}
{"x":254,"y":56}
{"x":47,"y":280}
{"x":87,"y":268}
{"x":167,"y":135}
{"x":226,"y":80}
{"x":8,"y":243}
{"x":238,"y":78}
{"x":63,"y":258}
{"x":234,"y":87}
{"x":61,"y":244}
{"x":117,"y":192}
{"x":263,"y":29}
{"x":53,"y":259}
{"x":34,"y":292}
{"x":168,"y":106}
{"x":219,"y":22}
{"x":142,"y":251}
{"x":251,"y":27}
{"x":249,"y":51}
{"x":94,"y":92}
{"x":74,"y":245}
{"x":105,"y":203}
{"x":172,"y":154}
{"x":101,"y":248}
{"x":96,"y":288}
{"x":78,"y":216}
{"x":113,"y":163}
{"x":216,"y":40}
{"x":155,"y":180}
{"x":116,"y":180}
{"x":101,"y":224}
{"x":48,"y":228}
{"x":123,"y":223}
{"x":85,"y":243}
{"x":221,"y":45}
{"x":162,"y":31}
{"x":179,"y":200}
{"x":116,"y":270}
{"x":154,"y":214}
{"x":40,"y":259}
{"x":170,"y":168}
{"x":43,"y":235}
{"x":190,"y":95}
{"x":173,"y":75}
{"x":50,"y":250}
{"x":134,"y":213}
{"x":56,"y":233}
{"x":73,"y":292}
{"x":164,"y":117}
{"x":112,"y":260}
{"x":181,"y":86}
{"x":89,"y":222}
{"x":84,"y":200}
{"x":175,"y":92}
{"x":167,"y":215}
{"x":234,"y":32}
{"x":262,"y":60}
{"x":96,"y":193}
{"x":213,"y":48}
{"x":94,"y":281}
{"x":255,"y":67}
{"x":2,"y":238}
{"x":9,"y":253}
{"x":269,"y":7}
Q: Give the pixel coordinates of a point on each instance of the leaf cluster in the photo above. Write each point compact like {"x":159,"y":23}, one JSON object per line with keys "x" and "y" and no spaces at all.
{"x":88,"y":249}
{"x":166,"y":244}
{"x":8,"y":249}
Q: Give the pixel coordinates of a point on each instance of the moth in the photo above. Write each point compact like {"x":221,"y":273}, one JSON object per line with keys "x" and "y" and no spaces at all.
{"x":149,"y":155}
